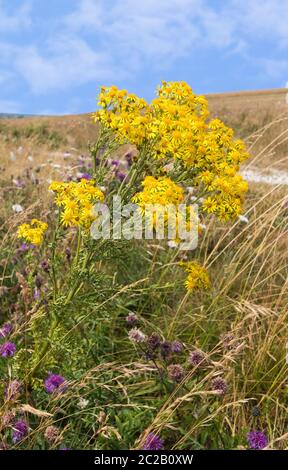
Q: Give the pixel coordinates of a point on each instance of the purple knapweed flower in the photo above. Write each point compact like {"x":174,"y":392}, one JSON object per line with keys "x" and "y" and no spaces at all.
{"x":176,"y":372}
{"x":24,"y":247}
{"x":153,"y":442}
{"x":176,"y":347}
{"x":20,"y":430}
{"x":131,"y":319}
{"x":121,"y":176}
{"x":7,"y":349}
{"x":52,"y":434}
{"x":55,"y":383}
{"x":5,"y":330}
{"x":36,"y":293}
{"x":115,"y":162}
{"x":257,"y":440}
{"x":13,"y":389}
{"x":153,"y":341}
{"x":219,"y":385}
{"x":196,"y":357}
{"x":85,"y":176}
{"x":45,"y":266}
{"x":165,"y":348}
{"x":136,"y":335}
{"x":129,"y":158}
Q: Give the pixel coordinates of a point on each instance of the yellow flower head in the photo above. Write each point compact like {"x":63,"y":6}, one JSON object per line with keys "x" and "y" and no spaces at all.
{"x":76,"y":201}
{"x":197,"y":278}
{"x":33,"y":232}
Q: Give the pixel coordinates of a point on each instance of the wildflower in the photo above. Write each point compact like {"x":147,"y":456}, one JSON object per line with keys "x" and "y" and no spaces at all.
{"x":153,"y":341}
{"x":13,"y":390}
{"x":131,"y":319}
{"x":196,"y":357}
{"x":176,"y":372}
{"x":121,"y":176}
{"x":32,"y":233}
{"x":176,"y":125}
{"x":257,"y":440}
{"x":5,"y":330}
{"x":52,"y":434}
{"x":7,"y":349}
{"x":176,"y":347}
{"x":20,"y":430}
{"x":129,"y":158}
{"x":153,"y":442}
{"x":166,"y":348}
{"x":83,"y":403}
{"x":24,"y":247}
{"x":36,"y":293}
{"x":17,"y":208}
{"x":76,"y":201}
{"x":219,"y":385}
{"x":197,"y":276}
{"x":85,"y":176}
{"x":55,"y":382}
{"x":45,"y":266}
{"x":136,"y":335}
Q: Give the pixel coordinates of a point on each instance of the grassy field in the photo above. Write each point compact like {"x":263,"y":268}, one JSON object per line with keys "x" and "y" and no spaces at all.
{"x":118,"y":392}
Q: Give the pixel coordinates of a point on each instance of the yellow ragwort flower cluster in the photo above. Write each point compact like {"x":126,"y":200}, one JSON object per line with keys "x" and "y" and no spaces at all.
{"x":33,"y":232}
{"x":163,"y":192}
{"x":175,"y":126}
{"x":76,"y":201}
{"x":197,"y":278}
{"x":160,"y":190}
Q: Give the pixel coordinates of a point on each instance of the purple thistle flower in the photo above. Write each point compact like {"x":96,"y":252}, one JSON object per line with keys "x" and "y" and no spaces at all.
{"x":85,"y":176}
{"x":176,"y":347}
{"x":219,"y":385}
{"x":129,"y":158}
{"x":196,"y":357}
{"x":13,"y":389}
{"x":154,"y":341}
{"x":7,"y":349}
{"x":176,"y":372}
{"x":55,"y":382}
{"x":45,"y":266}
{"x":20,"y":429}
{"x":24,"y":247}
{"x":165,"y":348}
{"x":131,"y":318}
{"x":136,"y":335}
{"x":115,"y":162}
{"x":121,"y":176}
{"x":5,"y":330}
{"x":257,"y":440}
{"x":153,"y":442}
{"x":36,"y":293}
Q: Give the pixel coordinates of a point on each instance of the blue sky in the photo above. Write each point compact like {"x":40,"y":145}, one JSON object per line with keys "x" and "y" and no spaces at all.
{"x":54,"y":55}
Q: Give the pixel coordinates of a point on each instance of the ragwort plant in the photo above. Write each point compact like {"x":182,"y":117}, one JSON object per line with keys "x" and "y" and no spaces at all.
{"x":79,"y":304}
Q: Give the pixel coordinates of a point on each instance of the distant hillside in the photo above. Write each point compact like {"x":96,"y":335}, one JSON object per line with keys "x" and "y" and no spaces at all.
{"x":259,"y":117}
{"x":11,"y":116}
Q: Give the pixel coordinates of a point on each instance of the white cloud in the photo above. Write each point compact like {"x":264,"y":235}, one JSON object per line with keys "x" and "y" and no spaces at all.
{"x":13,"y":22}
{"x":100,"y":40}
